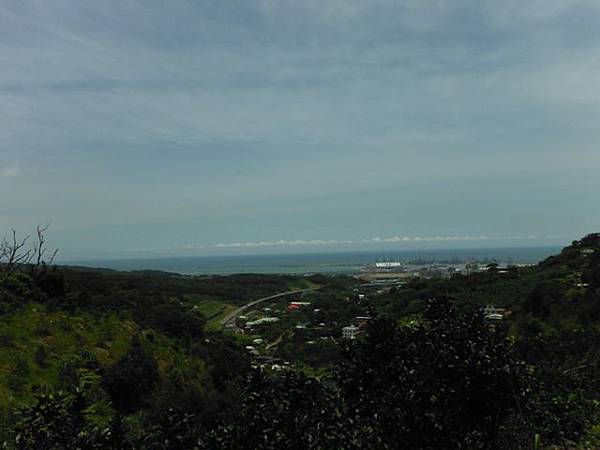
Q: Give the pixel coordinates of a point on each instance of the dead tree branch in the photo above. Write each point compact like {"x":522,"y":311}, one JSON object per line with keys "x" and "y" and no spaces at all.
{"x":14,"y":253}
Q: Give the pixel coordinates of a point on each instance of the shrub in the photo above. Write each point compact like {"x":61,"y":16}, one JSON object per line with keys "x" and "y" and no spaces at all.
{"x":131,"y":379}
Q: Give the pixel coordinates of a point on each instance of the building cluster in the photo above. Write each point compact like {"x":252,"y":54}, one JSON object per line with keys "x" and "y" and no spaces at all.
{"x":353,"y":330}
{"x":383,"y":270}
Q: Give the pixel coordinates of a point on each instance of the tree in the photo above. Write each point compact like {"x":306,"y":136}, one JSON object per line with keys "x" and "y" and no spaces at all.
{"x":288,"y":410}
{"x":67,"y":419}
{"x":131,"y":379}
{"x":446,"y":382}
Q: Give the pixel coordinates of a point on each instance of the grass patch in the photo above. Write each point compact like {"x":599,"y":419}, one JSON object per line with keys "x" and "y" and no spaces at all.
{"x":214,"y":310}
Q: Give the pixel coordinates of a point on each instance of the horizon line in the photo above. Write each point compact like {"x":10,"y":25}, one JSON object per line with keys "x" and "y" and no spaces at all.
{"x":315,"y":252}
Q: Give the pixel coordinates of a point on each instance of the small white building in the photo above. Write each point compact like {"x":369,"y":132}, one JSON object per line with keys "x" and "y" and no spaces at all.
{"x":492,"y":313}
{"x":261,"y":321}
{"x":350,"y":332}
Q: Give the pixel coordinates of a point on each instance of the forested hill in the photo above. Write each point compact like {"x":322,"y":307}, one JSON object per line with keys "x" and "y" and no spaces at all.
{"x":120,"y":345}
{"x":561,"y":291}
{"x":97,"y":359}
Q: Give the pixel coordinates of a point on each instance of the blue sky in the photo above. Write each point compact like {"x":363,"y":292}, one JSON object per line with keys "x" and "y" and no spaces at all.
{"x":205,"y":127}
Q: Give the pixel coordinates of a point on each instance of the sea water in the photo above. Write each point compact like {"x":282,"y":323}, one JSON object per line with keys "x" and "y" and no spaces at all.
{"x":346,"y":262}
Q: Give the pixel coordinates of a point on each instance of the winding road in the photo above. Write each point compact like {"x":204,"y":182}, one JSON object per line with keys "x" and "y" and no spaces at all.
{"x":229,"y":320}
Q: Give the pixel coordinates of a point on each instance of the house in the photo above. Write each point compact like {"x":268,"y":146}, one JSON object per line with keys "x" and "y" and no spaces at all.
{"x":492,"y":313}
{"x":350,"y":332}
{"x":363,"y":320}
{"x":494,"y":317}
{"x":294,"y":306}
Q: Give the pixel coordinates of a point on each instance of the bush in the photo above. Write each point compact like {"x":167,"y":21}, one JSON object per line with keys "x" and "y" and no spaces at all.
{"x":175,"y":320}
{"x":131,"y":379}
{"x":17,"y":378}
{"x":40,"y":357}
{"x":447,"y":382}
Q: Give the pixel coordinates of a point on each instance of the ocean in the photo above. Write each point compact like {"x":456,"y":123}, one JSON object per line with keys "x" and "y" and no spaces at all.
{"x":328,"y":263}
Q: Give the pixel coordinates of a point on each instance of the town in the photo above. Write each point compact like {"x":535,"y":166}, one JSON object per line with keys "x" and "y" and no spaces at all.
{"x":303,"y":328}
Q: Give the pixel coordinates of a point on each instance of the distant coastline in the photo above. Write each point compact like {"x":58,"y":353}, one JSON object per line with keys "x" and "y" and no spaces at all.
{"x":328,"y":263}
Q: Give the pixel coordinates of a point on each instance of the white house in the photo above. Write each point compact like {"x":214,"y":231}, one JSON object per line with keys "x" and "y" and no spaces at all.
{"x":350,"y":332}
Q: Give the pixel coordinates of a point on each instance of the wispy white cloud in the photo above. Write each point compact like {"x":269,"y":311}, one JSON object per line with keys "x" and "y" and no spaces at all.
{"x":10,"y":171}
{"x":282,"y":243}
{"x":373,"y":240}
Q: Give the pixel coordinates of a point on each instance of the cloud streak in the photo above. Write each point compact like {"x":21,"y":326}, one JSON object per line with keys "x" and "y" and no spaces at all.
{"x":142,"y":125}
{"x":10,"y":171}
{"x":373,"y":240}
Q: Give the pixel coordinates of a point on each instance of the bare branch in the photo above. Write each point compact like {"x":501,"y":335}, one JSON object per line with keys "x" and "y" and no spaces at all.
{"x":13,"y":253}
{"x":40,"y":249}
{"x":53,"y":257}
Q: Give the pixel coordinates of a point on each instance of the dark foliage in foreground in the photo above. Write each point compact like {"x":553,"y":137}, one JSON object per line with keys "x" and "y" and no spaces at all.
{"x":445,"y":382}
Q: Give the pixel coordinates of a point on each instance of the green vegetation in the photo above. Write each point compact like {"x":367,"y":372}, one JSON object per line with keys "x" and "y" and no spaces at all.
{"x":107,"y":360}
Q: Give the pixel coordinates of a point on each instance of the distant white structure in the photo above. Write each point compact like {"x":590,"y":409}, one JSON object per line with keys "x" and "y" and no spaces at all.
{"x":471,"y":267}
{"x":350,"y":332}
{"x":363,"y":321}
{"x":388,"y":264}
{"x":494,"y":317}
{"x":492,"y":313}
{"x":263,"y":320}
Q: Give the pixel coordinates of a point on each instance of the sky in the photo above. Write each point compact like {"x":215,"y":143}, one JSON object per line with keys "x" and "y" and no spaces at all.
{"x":204,"y":127}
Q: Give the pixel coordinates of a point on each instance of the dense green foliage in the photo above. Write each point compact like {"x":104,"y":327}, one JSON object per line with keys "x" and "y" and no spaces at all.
{"x":101,"y":359}
{"x":446,"y":381}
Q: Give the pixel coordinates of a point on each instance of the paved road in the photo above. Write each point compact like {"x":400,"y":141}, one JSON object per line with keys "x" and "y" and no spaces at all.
{"x":230,"y":318}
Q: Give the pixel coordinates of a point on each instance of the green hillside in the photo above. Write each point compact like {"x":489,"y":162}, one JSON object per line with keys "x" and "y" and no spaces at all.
{"x":96,"y":359}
